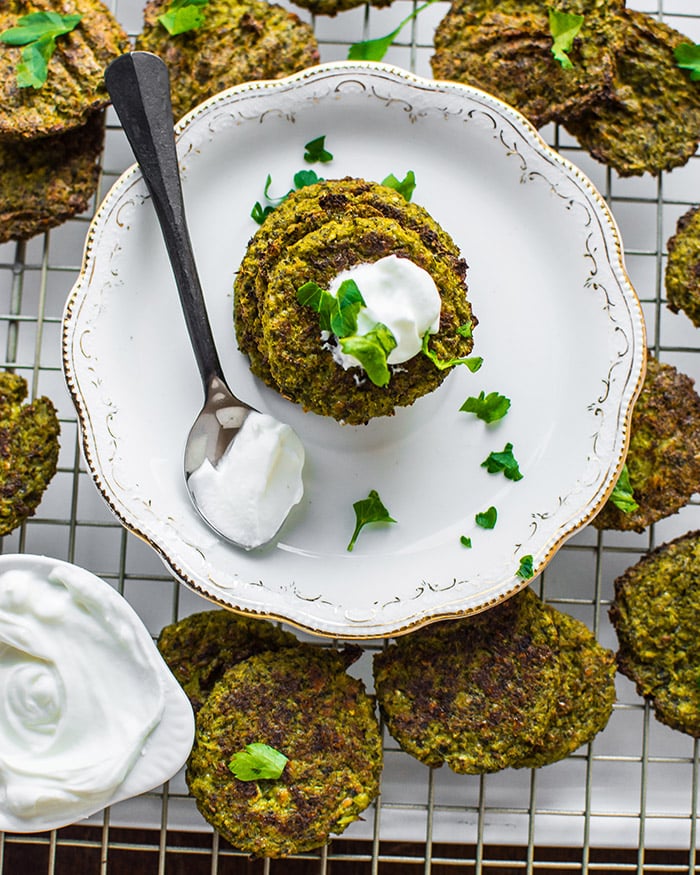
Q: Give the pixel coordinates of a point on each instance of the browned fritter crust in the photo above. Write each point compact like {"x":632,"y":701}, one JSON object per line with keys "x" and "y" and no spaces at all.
{"x":656,"y":613}
{"x":46,"y":181}
{"x":476,"y":693}
{"x":505,"y":49}
{"x":200,"y":648}
{"x":75,"y":85}
{"x":682,"y":277}
{"x":652,"y":120}
{"x":664,"y":453}
{"x":333,"y":7}
{"x":302,"y":702}
{"x":240,"y":41}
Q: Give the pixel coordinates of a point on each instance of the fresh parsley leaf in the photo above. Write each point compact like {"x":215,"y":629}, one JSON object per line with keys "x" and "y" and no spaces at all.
{"x":622,"y":495}
{"x":37,"y":32}
{"x":259,"y":213}
{"x":487,"y":519}
{"x":405,"y":186}
{"x":305,"y":177}
{"x":465,"y":541}
{"x":526,"y":569}
{"x":490,"y":408}
{"x":564,"y":28}
{"x":687,"y":57}
{"x":337,"y":313}
{"x":503,"y":462}
{"x":257,"y":762}
{"x":465,"y":330}
{"x":375,"y":49}
{"x":316,"y":151}
{"x":183,"y":15}
{"x":301,"y":179}
{"x":472,"y":362}
{"x":368,"y":510}
{"x":372,"y":350}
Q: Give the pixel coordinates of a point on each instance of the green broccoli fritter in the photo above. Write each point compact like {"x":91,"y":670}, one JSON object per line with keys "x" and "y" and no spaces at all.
{"x":656,"y":613}
{"x":28,"y":451}
{"x":682,"y":277}
{"x":302,"y":702}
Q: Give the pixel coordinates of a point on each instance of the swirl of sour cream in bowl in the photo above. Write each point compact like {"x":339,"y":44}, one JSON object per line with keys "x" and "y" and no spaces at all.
{"x":92,"y":714}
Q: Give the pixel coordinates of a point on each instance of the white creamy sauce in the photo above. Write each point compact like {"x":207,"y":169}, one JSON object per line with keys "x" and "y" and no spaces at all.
{"x":402,"y":296}
{"x":249,"y":494}
{"x":81,"y":689}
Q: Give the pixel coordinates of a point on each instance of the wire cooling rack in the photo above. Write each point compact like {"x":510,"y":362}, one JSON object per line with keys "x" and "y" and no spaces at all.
{"x":626,"y":803}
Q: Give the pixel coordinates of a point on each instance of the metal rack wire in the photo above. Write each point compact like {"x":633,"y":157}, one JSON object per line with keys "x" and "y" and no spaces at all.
{"x":626,"y":803}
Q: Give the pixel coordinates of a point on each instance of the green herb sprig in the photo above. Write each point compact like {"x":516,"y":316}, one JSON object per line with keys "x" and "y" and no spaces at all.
{"x":302,"y":178}
{"x":489,"y":408}
{"x":472,"y":362}
{"x":487,"y":519}
{"x":316,"y":151}
{"x":622,"y":495}
{"x":526,"y":569}
{"x":37,"y":32}
{"x":503,"y":462}
{"x":372,"y":352}
{"x":687,"y":57}
{"x":405,"y":186}
{"x":564,"y":28}
{"x":182,"y":16}
{"x":375,"y":49}
{"x":368,"y":510}
{"x":257,"y":762}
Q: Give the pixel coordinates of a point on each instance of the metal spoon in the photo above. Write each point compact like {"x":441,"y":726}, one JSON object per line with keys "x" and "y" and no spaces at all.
{"x":139,"y":86}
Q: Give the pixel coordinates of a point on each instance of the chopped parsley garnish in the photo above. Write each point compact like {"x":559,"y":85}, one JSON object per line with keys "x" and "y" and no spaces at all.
{"x":182,"y":16}
{"x":368,"y":510}
{"x":316,"y":151}
{"x":564,"y":28}
{"x":257,"y":762}
{"x":301,"y":179}
{"x":526,"y":568}
{"x":472,"y":362}
{"x":687,"y":57}
{"x":465,"y":541}
{"x":372,"y":350}
{"x":37,"y":32}
{"x":465,"y":330}
{"x":622,"y":495}
{"x":504,"y":462}
{"x":375,"y":49}
{"x":487,"y":519}
{"x":336,"y":313}
{"x":405,"y":186}
{"x":490,"y":408}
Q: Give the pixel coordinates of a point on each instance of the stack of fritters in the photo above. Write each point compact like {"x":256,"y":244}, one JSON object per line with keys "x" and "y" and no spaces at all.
{"x":520,"y":685}
{"x":682,"y":277}
{"x":28,"y":450}
{"x":624,"y":97}
{"x":316,"y":233}
{"x":663,"y":459}
{"x":239,"y":41}
{"x":51,"y":137}
{"x":253,"y":683}
{"x":656,"y":613}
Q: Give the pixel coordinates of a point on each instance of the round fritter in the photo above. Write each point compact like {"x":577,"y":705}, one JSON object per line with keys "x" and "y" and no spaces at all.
{"x":333,"y":7}
{"x":302,"y":702}
{"x":652,"y":120}
{"x":682,"y":277}
{"x":585,"y":697}
{"x":201,"y":647}
{"x":46,"y":181}
{"x":316,"y":233}
{"x":656,"y":613}
{"x":475,"y":693}
{"x":663,"y":459}
{"x":505,"y":49}
{"x":240,"y":41}
{"x":75,"y":84}
{"x":28,"y":450}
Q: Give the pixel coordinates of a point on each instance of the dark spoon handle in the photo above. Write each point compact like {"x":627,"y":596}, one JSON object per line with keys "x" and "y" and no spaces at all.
{"x":139,"y":86}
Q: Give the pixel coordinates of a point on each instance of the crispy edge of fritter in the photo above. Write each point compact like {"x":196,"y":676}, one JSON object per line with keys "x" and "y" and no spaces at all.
{"x":682,"y":276}
{"x":656,"y":613}
{"x":663,"y":458}
{"x":302,"y":702}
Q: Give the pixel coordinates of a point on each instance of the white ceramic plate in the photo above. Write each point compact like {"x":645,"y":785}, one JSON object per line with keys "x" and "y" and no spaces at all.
{"x":560,"y":330}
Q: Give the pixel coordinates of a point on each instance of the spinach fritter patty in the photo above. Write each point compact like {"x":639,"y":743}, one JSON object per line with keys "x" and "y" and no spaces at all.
{"x":240,"y":41}
{"x":505,"y":49}
{"x":200,"y":648}
{"x":656,"y":613}
{"x":586,"y":694}
{"x":75,"y":85}
{"x":651,"y":122}
{"x":316,"y":233}
{"x":333,"y":7}
{"x":682,"y":277}
{"x":28,"y":450}
{"x":476,"y":693}
{"x":663,"y":459}
{"x":302,"y":702}
{"x":46,"y":181}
